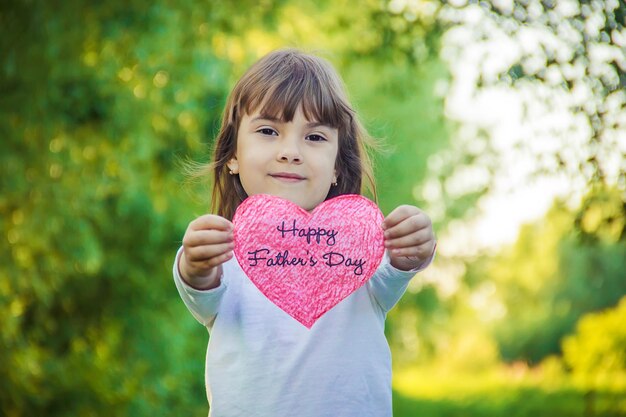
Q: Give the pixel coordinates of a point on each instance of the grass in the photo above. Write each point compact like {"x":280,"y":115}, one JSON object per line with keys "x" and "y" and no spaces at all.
{"x":506,"y":392}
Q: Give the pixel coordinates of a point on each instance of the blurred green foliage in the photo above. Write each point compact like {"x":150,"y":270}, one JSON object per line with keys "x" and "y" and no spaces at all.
{"x":596,"y":353}
{"x":100,"y":105}
{"x":561,"y":267}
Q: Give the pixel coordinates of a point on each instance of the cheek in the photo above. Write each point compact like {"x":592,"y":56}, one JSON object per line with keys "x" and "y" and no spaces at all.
{"x":335,"y":166}
{"x":332,"y":157}
{"x":248,"y":160}
{"x":325,"y":163}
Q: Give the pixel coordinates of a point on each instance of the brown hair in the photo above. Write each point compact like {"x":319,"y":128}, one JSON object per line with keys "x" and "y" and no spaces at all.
{"x":280,"y":82}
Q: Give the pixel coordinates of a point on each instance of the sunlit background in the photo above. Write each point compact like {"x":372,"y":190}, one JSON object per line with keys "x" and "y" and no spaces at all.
{"x":504,"y":120}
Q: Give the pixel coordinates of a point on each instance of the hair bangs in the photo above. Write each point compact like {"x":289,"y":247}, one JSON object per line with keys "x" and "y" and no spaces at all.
{"x":299,"y":83}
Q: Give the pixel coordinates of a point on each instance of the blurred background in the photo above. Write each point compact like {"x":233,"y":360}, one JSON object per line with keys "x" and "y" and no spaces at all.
{"x":505,"y":120}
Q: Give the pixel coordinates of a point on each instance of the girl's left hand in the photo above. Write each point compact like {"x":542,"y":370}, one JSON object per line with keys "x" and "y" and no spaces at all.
{"x":409,"y":238}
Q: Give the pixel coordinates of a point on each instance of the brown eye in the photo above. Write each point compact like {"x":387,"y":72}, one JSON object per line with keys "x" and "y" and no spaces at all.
{"x":267,"y":131}
{"x":316,"y":138}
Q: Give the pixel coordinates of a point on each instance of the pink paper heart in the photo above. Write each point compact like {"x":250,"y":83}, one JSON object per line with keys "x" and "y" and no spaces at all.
{"x":306,"y":263}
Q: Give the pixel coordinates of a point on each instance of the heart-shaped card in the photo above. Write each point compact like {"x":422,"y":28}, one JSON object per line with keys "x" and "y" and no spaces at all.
{"x":306,"y":263}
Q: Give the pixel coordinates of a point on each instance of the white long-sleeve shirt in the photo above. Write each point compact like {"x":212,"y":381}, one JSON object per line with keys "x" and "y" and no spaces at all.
{"x":262,"y":362}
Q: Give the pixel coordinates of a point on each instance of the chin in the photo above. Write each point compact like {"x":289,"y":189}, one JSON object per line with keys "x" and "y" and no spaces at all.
{"x":303,"y":205}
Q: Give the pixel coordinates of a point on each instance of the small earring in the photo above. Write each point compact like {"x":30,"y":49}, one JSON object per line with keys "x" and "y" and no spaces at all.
{"x":334,"y":184}
{"x":230,"y":171}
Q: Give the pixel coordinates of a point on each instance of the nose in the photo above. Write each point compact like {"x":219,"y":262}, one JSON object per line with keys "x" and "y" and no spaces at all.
{"x":289,"y":151}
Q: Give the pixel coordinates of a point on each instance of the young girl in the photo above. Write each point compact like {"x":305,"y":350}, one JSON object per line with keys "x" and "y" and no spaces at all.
{"x":288,"y":130}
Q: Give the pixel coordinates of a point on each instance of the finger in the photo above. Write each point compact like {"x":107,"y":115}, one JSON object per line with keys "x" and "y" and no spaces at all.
{"x":207,"y":237}
{"x":407,"y":226}
{"x":413,"y":239}
{"x":218,"y":260}
{"x":207,"y":252}
{"x":398,"y":215}
{"x":211,"y":221}
{"x":414,"y":252}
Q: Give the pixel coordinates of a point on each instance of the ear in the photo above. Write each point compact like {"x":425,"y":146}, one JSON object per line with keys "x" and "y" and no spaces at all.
{"x":233,"y":166}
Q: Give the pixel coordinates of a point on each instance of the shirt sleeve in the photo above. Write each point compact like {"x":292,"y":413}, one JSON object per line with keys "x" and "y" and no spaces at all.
{"x":389,"y":283}
{"x":203,"y":304}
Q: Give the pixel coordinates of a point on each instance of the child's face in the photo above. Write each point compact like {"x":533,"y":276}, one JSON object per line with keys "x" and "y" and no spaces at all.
{"x":293,"y":160}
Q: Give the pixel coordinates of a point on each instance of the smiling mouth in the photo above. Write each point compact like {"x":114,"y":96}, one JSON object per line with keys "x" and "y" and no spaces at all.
{"x":287,"y":177}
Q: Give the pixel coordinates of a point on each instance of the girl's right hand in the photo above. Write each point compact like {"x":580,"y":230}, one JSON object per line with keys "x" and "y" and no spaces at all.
{"x":207,"y":244}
